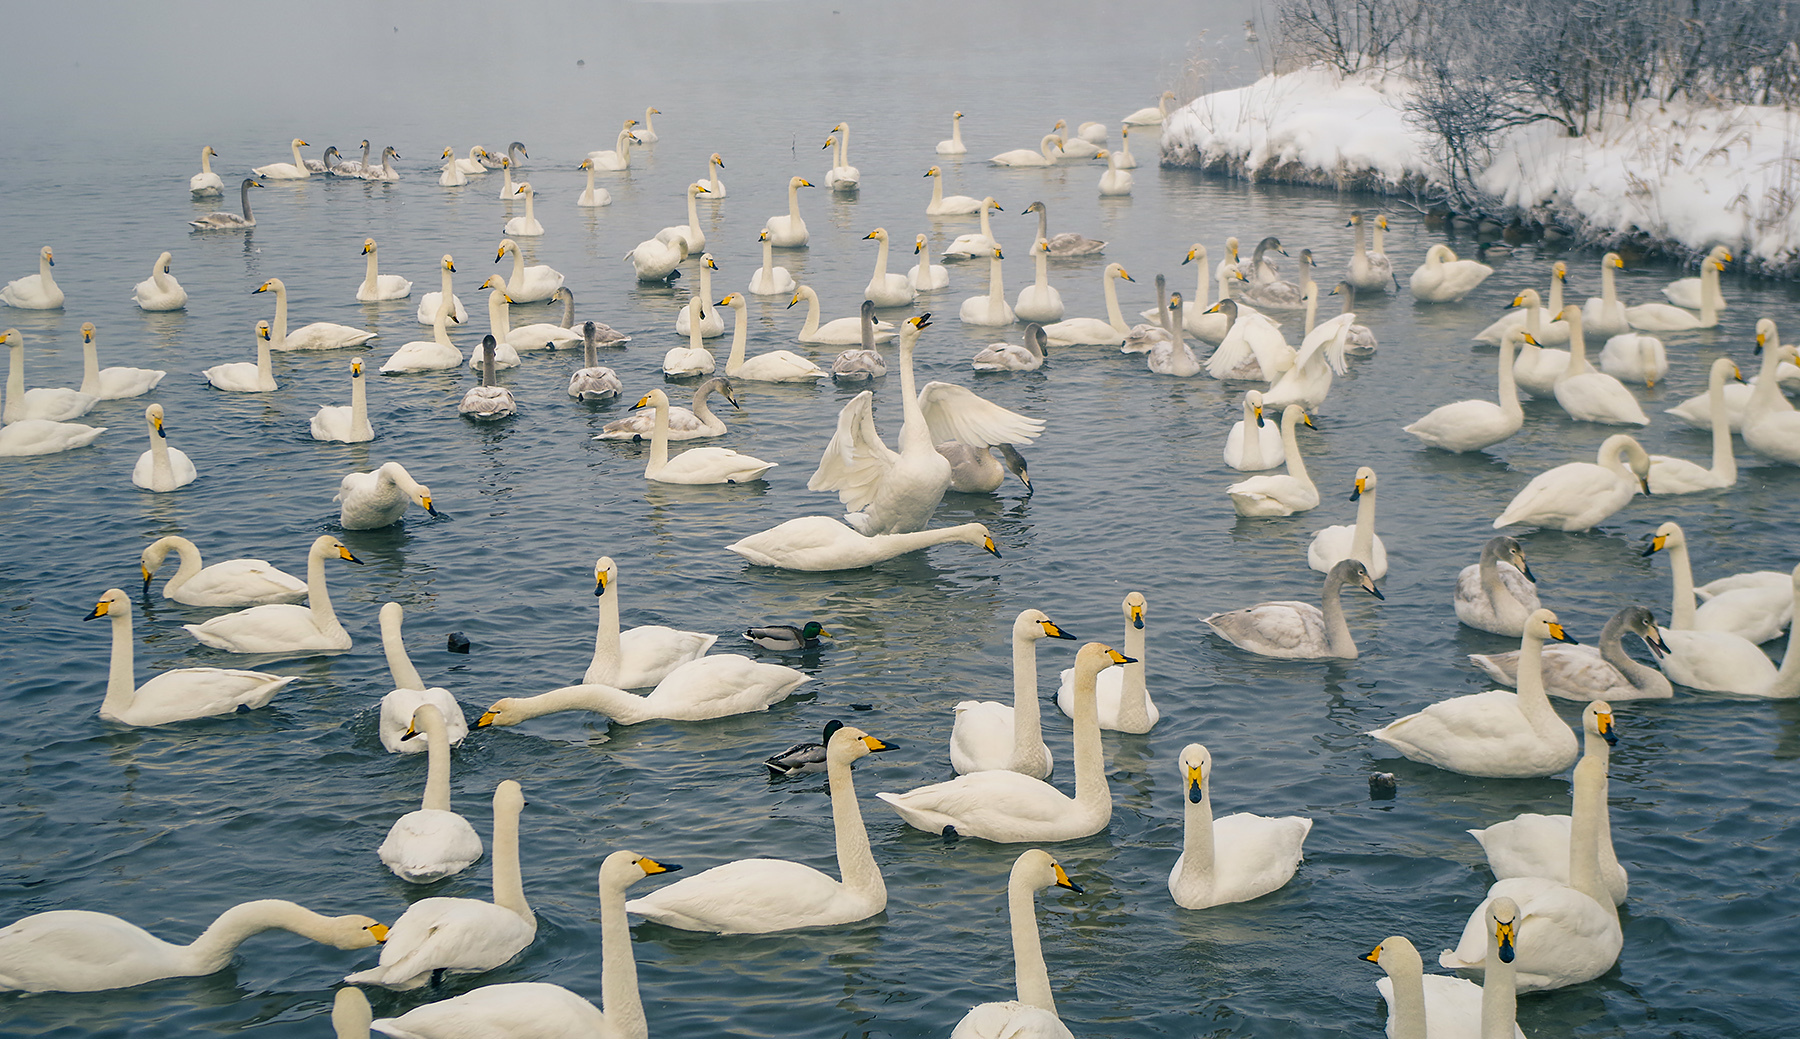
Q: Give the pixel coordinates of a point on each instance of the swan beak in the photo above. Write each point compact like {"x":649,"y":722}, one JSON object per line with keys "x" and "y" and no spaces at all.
{"x":795,"y":300}
{"x":1196,"y":784}
{"x":1054,"y":632}
{"x":100,"y":609}
{"x":1604,"y":722}
{"x":487,"y":718}
{"x":806,"y":183}
{"x":1653,"y":639}
{"x":1119,"y":658}
{"x":1737,"y":374}
{"x":1259,"y":414}
{"x":876,"y":745}
{"x":1373,"y":955}
{"x":988,"y":543}
{"x":1190,"y":258}
{"x":264,"y":287}
{"x":425,"y":501}
{"x":1503,"y":936}
{"x":1357,"y":493}
{"x":868,"y":236}
{"x":160,"y":431}
{"x":378,"y":931}
{"x":146,"y":571}
{"x":643,"y":402}
{"x":344,"y":553}
{"x":410,"y":733}
{"x":1368,"y":584}
{"x":1526,"y":570}
{"x":1062,"y":879}
{"x":1214,"y":309}
{"x":1557,"y":632}
{"x":507,"y":298}
{"x":1126,"y":276}
{"x":1619,"y":263}
{"x":1644,"y":482}
{"x":1655,"y":544}
{"x":1137,"y":617}
{"x":368,"y":248}
{"x":1726,"y":255}
{"x":1309,"y":421}
{"x":356,"y":370}
{"x":651,"y":867}
{"x":599,"y":584}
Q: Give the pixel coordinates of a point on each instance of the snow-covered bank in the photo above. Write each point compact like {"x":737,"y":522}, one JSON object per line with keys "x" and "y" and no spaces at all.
{"x":1673,"y":177}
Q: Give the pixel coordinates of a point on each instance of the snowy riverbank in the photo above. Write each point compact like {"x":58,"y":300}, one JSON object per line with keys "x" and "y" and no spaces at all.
{"x":1672,"y":177}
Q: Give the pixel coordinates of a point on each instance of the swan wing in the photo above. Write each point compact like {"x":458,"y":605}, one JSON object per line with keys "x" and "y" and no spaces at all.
{"x":751,"y":896}
{"x":1274,"y":628}
{"x":997,"y":805}
{"x":74,"y":950}
{"x":201,"y":692}
{"x":501,"y":1010}
{"x":856,"y":461}
{"x":455,"y":934}
{"x":956,"y":413}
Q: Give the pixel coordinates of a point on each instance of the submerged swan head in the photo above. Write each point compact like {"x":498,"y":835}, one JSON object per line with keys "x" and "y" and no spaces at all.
{"x":418,"y":492}
{"x":1196,"y":767}
{"x":1542,"y":625}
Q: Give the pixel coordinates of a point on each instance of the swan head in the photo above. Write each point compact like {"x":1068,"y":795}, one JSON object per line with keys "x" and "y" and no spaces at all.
{"x":426,"y":716}
{"x":1352,"y":571}
{"x":829,"y":141}
{"x":87,"y":328}
{"x":419,"y":493}
{"x":919,"y":244}
{"x":1356,"y":218}
{"x":1597,"y":719}
{"x":162,"y":261}
{"x":326,"y":545}
{"x":274,"y":285}
{"x":1669,"y":535}
{"x":734,"y":301}
{"x":1196,"y":254}
{"x":998,"y":255}
{"x":799,"y":182}
{"x":1133,"y":608}
{"x":934,"y":172}
{"x":368,"y":246}
{"x":956,"y":115}
{"x":298,"y":143}
{"x":509,"y":798}
{"x":1526,"y":298}
{"x":262,"y":330}
{"x":762,"y":235}
{"x":706,"y":260}
{"x":722,"y":387}
{"x":1035,"y":624}
{"x":1174,"y":297}
{"x":605,"y":572}
{"x":114,"y":598}
{"x":1612,"y":260}
{"x":717,"y":160}
{"x":848,"y":743}
{"x":1114,"y":270}
{"x":447,"y":153}
{"x":879,"y":234}
{"x":914,"y":325}
{"x":1503,"y":926}
{"x":622,"y":869}
{"x":1640,"y":620}
{"x":1765,"y":334}
{"x":1035,"y":207}
{"x":1253,"y":403}
{"x":154,"y":415}
{"x":506,"y":245}
{"x":210,"y":152}
{"x":1636,"y":458}
{"x":356,"y":367}
{"x":1542,"y":625}
{"x":1365,"y":483}
{"x":1196,"y":767}
{"x":1231,"y":248}
{"x":653,"y":399}
{"x":1396,"y":955}
{"x":524,"y":188}
{"x":1038,"y":869}
{"x":449,"y":264}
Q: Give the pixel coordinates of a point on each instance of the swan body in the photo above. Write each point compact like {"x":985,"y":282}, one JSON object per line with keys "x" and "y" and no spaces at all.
{"x":619,"y":158}
{"x":55,"y":404}
{"x":1358,"y":541}
{"x":428,"y":303}
{"x":1044,"y":154}
{"x":1581,"y":495}
{"x":528,"y":284}
{"x":954,"y":205}
{"x":1434,"y":1006}
{"x":770,"y":280}
{"x":1298,"y":630}
{"x":1033,"y":1014}
{"x":206,"y":183}
{"x":843,"y":331}
{"x":546,"y":335}
{"x":886,"y":289}
{"x":1319,"y":358}
{"x":1536,"y":370}
{"x":1369,"y":272}
{"x":280,"y":627}
{"x":235,"y":582}
{"x":526,"y":226}
{"x":643,"y":656}
{"x":1589,"y":395}
{"x":592,"y":197}
{"x":1476,"y":425}
{"x":711,"y":687}
{"x":223,"y":221}
{"x":427,"y":845}
{"x":1262,"y":448}
{"x":1678,"y":475}
{"x":1152,"y":116}
{"x":1078,"y":146}
{"x":1122,"y":701}
{"x":162,"y":468}
{"x":594,"y":381}
{"x":379,"y":498}
{"x":1445,"y":279}
{"x":37,"y":436}
{"x":112,"y":383}
{"x":172,"y":696}
{"x":1691,"y":292}
{"x":436,"y":354}
{"x":774,"y":366}
{"x":409,"y":694}
{"x":989,"y":735}
{"x":1234,"y":859}
{"x":694,"y":358}
{"x":655,"y":260}
{"x":715,"y":188}
{"x":1093,"y":331}
{"x":1590,"y":673}
{"x":981,"y":243}
{"x":1604,"y":314}
{"x":296,"y":170}
{"x":1066,"y":243}
{"x":240,"y":376}
{"x":683,"y":424}
{"x":787,"y":230}
{"x":1117,"y":179}
{"x":842,"y":176}
{"x":500,"y":329}
{"x":926,"y":276}
{"x":160,"y":291}
{"x":1039,"y":301}
{"x":1713,"y":652}
{"x":1496,"y":734}
{"x":696,"y":465}
{"x":990,"y":310}
{"x":953,"y":146}
{"x":1498,"y":593}
{"x":452,"y":175}
{"x":1286,"y":493}
{"x":1752,"y":605}
{"x":488,"y":402}
{"x":319,"y":335}
{"x":1007,"y":357}
{"x":346,"y":423}
{"x":1252,"y":348}
{"x":820,"y":543}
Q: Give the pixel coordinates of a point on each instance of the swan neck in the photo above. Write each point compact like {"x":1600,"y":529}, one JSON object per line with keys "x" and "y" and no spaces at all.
{"x":1362,"y":539}
{"x":1407,"y":1020}
{"x":359,"y":402}
{"x":1787,"y":678}
{"x":244,"y":197}
{"x":1197,"y":849}
{"x":317,"y":598}
{"x":987,"y":230}
{"x":1030,"y":974}
{"x":278,"y":333}
{"x":1499,"y":993}
{"x":206,"y":160}
{"x":499,"y":320}
{"x":437,"y":761}
{"x":213,"y":949}
{"x":369,"y":271}
{"x":1509,"y":387}
{"x":881,"y":256}
{"x":1028,"y":732}
{"x":1252,"y":443}
{"x":393,"y":646}
{"x":1312,"y":312}
{"x":768,"y":264}
{"x":1709,"y":296}
{"x":90,"y":370}
{"x":1681,"y":574}
{"x":996,"y":291}
{"x":509,"y":884}
{"x":1724,"y":460}
{"x":518,"y":273}
{"x":740,"y":337}
{"x":937,"y":191}
{"x":856,"y":860}
{"x":189,"y":554}
{"x":121,"y":685}
{"x":1112,"y":306}
{"x":1533,"y":702}
{"x":912,"y":414}
{"x":1337,"y":629}
{"x":794,"y":202}
{"x":159,"y":458}
{"x":1134,"y":696}
{"x":1290,"y":442}
{"x":605,"y":667}
{"x":659,"y":434}
{"x":620,"y":1000}
{"x":1578,"y":362}
{"x":1091,"y":792}
{"x":1586,"y":818}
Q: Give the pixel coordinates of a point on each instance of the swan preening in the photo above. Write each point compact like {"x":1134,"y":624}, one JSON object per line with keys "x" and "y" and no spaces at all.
{"x":379,"y":498}
{"x":160,"y":291}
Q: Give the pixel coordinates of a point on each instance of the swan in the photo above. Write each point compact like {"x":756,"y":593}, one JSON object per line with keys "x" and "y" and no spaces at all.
{"x":1197,"y":316}
{"x":953,"y":146}
{"x":160,"y":291}
{"x":1530,"y":315}
{"x":887,"y":290}
{"x":1661,"y":317}
{"x":690,"y":232}
{"x":528,"y":284}
{"x":713,"y":324}
{"x":237,"y":376}
{"x":507,"y":188}
{"x":1358,"y":339}
{"x":1498,"y":593}
{"x":1604,"y":314}
{"x":774,"y":366}
{"x":977,"y":470}
{"x":655,"y":260}
{"x":172,"y":696}
{"x":1359,"y":542}
{"x":1693,"y":293}
{"x":1476,"y":425}
{"x":546,"y":335}
{"x":526,"y":226}
{"x":427,"y":845}
{"x":1068,"y":243}
{"x":319,"y":335}
{"x":1582,"y":495}
{"x":696,"y":465}
{"x":1370,"y":272}
{"x":715,"y":188}
{"x":861,"y":365}
{"x":75,"y":950}
{"x":1116,"y":180}
{"x":1445,"y":279}
{"x":39,"y":291}
{"x":475,"y":162}
{"x":206,"y":183}
{"x":770,"y":280}
{"x":296,"y":170}
{"x":643,"y":656}
{"x":1253,"y":348}
{"x":711,"y":687}
{"x":592,"y":197}
{"x":842,"y":331}
{"x":926,"y":276}
{"x":385,"y":172}
{"x":379,"y":498}
{"x":38,"y":436}
{"x":1434,"y":1006}
{"x":1033,"y":1014}
{"x":55,"y":404}
{"x":1123,"y":159}
{"x":888,"y":492}
{"x":1537,"y":370}
{"x":1093,"y":331}
{"x":1754,"y":605}
{"x":235,"y":582}
{"x":1771,"y":426}
{"x":453,"y":175}
{"x":842,"y":176}
{"x":1587,"y":673}
{"x":1715,"y":659}
{"x":1152,"y":116}
{"x":1286,"y":493}
{"x":437,"y":353}
{"x":346,"y":424}
{"x":593,"y":381}
{"x":762,"y":896}
{"x":1263,"y":449}
{"x":820,"y":543}
{"x":683,"y":424}
{"x":1496,"y":734}
{"x":1039,"y":301}
{"x":490,"y":401}
{"x":437,"y":936}
{"x":1076,"y":147}
{"x":991,"y":735}
{"x":1268,"y":291}
{"x":1171,"y":355}
{"x":410,"y":693}
{"x":989,"y":310}
{"x":619,"y":158}
{"x":1234,"y":859}
{"x":1043,"y":155}
{"x":112,"y":383}
{"x":428,"y":303}
{"x":1124,"y":704}
{"x":981,"y":243}
{"x":1678,"y":475}
{"x":349,"y":167}
{"x":787,"y":230}
{"x":1588,"y":395}
{"x":500,"y":328}
{"x":1261,"y":270}
{"x":223,"y":221}
{"x":162,"y":468}
{"x":1319,"y":358}
{"x":1570,"y":931}
{"x":1298,"y":630}
{"x":1009,"y":808}
{"x":955,"y":205}
{"x":694,"y":358}
{"x":283,"y":627}
{"x":1006,"y":357}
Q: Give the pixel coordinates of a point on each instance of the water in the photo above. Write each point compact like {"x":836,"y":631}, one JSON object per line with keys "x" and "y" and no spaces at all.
{"x":170,"y":826}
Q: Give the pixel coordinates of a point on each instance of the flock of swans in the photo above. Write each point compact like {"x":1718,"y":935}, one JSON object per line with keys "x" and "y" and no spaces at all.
{"x":1549,"y":921}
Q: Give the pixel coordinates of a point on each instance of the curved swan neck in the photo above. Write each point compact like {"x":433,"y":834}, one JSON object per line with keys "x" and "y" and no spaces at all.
{"x":620,"y":1000}
{"x":509,"y":884}
{"x":121,"y":684}
{"x":1028,"y":732}
{"x":206,"y":159}
{"x":187,"y":552}
{"x":1331,"y":604}
{"x":1612,"y":650}
{"x":317,"y":598}
{"x":212,"y":950}
{"x":1030,"y":975}
{"x":1681,"y":574}
{"x":856,"y":860}
{"x":437,"y":758}
{"x":393,"y":646}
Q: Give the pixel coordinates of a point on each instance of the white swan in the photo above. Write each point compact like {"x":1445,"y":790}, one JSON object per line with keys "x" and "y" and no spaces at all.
{"x":528,"y":284}
{"x":691,"y":232}
{"x":1197,"y":315}
{"x":1604,"y":314}
{"x":953,"y":146}
{"x":954,"y":205}
{"x":1771,"y":425}
{"x":1320,"y":357}
{"x":477,"y":161}
{"x":770,"y":280}
{"x":432,"y":843}
{"x":1476,"y":425}
{"x":773,"y":366}
{"x":1754,"y":605}
{"x":1298,"y":630}
{"x":112,"y":383}
{"x":1033,"y":1014}
{"x":428,"y":303}
{"x":982,"y":242}
{"x":1010,"y":808}
{"x":379,"y":498}
{"x":171,"y":696}
{"x":655,"y":260}
{"x":762,"y":896}
{"x":319,"y":335}
{"x":1529,"y":314}
{"x":1661,"y":317}
{"x":887,"y":290}
{"x":1358,"y":541}
{"x":526,"y":226}
{"x":842,"y":176}
{"x":592,"y":197}
{"x":453,"y":175}
{"x":346,"y":423}
{"x":991,"y":735}
{"x":1252,"y":349}
{"x":1496,"y":734}
{"x":1263,"y":448}
{"x":1535,"y":369}
{"x":1044,"y":154}
{"x":989,"y":310}
{"x":385,"y":172}
{"x":296,"y":170}
{"x":410,"y":692}
{"x":500,"y":328}
{"x":843,"y":331}
{"x":1692,"y":293}
{"x":1234,"y":859}
{"x":160,"y":291}
{"x":75,"y":950}
{"x":1152,"y":116}
{"x":490,"y":401}
{"x":696,"y":465}
{"x":787,"y":230}
{"x":1533,"y":845}
{"x":1117,"y":179}
{"x":463,"y":935}
{"x":926,"y":276}
{"x":223,"y":221}
{"x":683,"y":423}
{"x":700,"y":690}
{"x":694,"y":358}
{"x":56,"y":404}
{"x":1445,"y":279}
{"x":641,"y":657}
{"x":594,"y":381}
{"x":1590,"y":673}
{"x":282,"y":627}
{"x":1064,"y":243}
{"x":1678,"y":475}
{"x":239,"y":376}
{"x":206,"y":183}
{"x":1007,"y":357}
{"x":436,"y":354}
{"x":1286,"y":493}
{"x":1092,"y":331}
{"x":820,"y":543}
{"x":235,"y":582}
{"x":1370,"y":272}
{"x":1123,"y":702}
{"x":38,"y":436}
{"x":1077,"y":146}
{"x":550,"y":335}
{"x":162,"y":468}
{"x":1715,"y":659}
{"x":1589,"y":395}
{"x":1436,"y":1006}
{"x":1498,"y":593}
{"x":619,"y":158}
{"x":715,"y":188}
{"x":1582,"y":495}
{"x":1040,"y":301}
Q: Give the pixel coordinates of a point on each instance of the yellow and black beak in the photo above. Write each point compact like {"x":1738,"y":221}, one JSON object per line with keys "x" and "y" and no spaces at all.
{"x":1259,"y":414}
{"x":1126,"y":276}
{"x":378,"y":931}
{"x":344,"y":553}
{"x":1137,"y":617}
{"x":1196,"y":784}
{"x":147,"y":575}
{"x":356,"y":370}
{"x":1373,"y":955}
{"x":643,"y":402}
{"x":876,"y":746}
{"x":599,"y":584}
{"x":988,"y":543}
{"x":1358,"y":492}
{"x":157,"y":423}
{"x":429,"y":510}
{"x":1557,"y":633}
{"x":487,"y":718}
{"x":1062,"y":879}
{"x":651,"y":867}
{"x":100,"y":608}
{"x":1120,"y":658}
{"x":1051,"y":631}
{"x":411,"y":731}
{"x":1657,"y":541}
{"x":1504,"y":937}
{"x":1604,"y":722}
